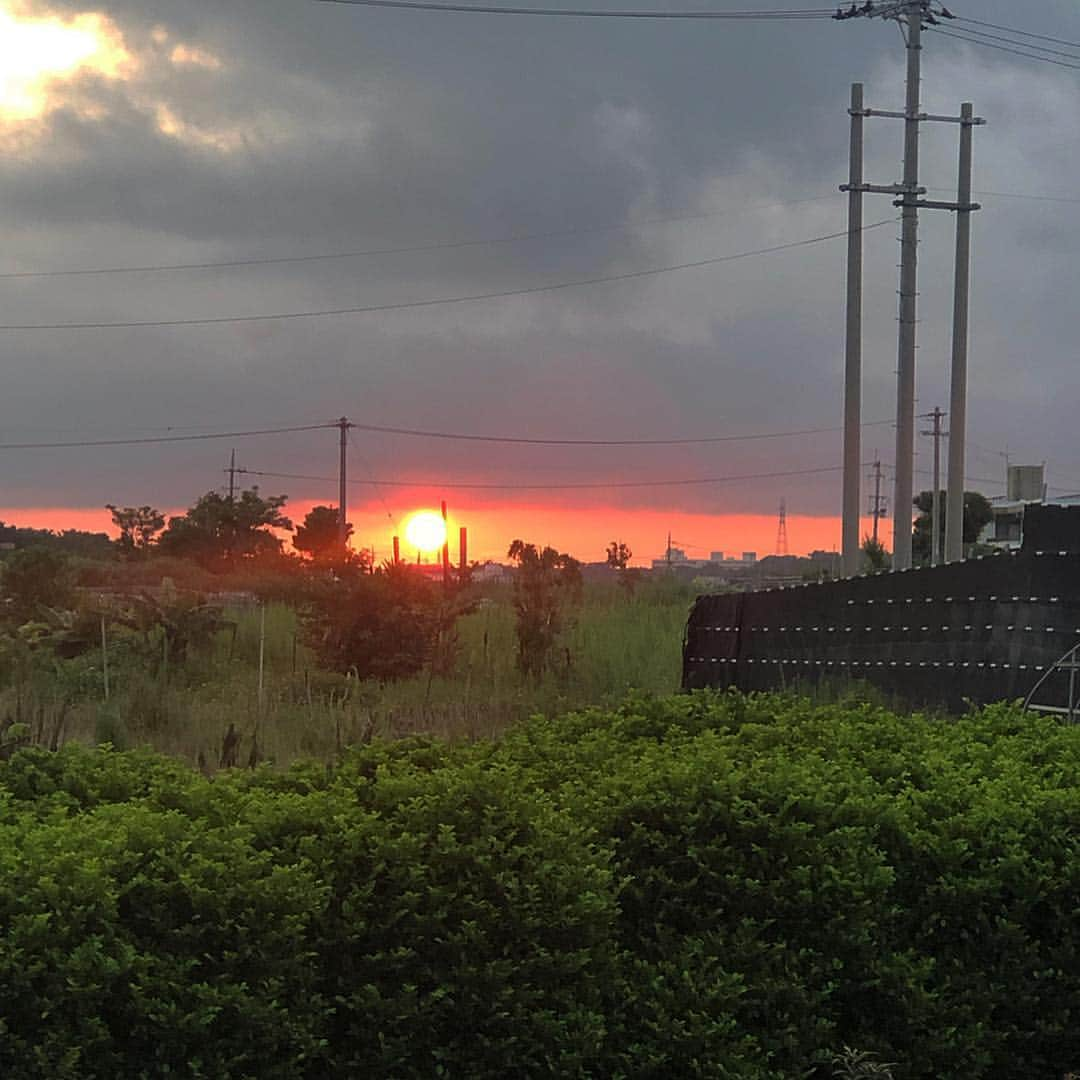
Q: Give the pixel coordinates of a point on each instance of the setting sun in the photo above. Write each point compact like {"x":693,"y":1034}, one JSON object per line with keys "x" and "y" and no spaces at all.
{"x":426,"y":531}
{"x":34,"y":51}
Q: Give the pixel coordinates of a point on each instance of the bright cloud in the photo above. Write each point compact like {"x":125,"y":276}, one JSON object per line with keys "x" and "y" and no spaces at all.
{"x":39,"y":52}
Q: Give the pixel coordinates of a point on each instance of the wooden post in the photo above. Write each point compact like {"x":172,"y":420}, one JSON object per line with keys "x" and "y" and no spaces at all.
{"x":262,"y":650}
{"x":445,"y":549}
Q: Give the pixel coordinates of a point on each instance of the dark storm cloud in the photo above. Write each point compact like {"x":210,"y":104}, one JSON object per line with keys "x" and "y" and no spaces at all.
{"x":308,"y":128}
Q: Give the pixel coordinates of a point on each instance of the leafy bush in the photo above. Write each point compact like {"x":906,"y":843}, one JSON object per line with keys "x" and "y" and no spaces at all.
{"x":707,"y":886}
{"x":31,"y":579}
{"x":383,"y":626}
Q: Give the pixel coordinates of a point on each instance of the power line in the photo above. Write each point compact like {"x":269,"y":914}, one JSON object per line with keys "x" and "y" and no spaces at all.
{"x":1022,"y":33}
{"x":678,"y":482}
{"x":449,"y":245}
{"x":1001,"y":48}
{"x":522,"y":440}
{"x":590,"y":13}
{"x":1016,"y":195}
{"x":163,"y":438}
{"x":363,"y":461}
{"x":150,"y":440}
{"x":1022,"y":44}
{"x":439,"y":301}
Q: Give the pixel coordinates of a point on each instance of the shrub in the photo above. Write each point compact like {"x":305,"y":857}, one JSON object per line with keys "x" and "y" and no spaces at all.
{"x":709,"y":886}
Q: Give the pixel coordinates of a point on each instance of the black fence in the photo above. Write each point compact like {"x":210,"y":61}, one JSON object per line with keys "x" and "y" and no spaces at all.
{"x":1052,"y":528}
{"x":968,"y":633}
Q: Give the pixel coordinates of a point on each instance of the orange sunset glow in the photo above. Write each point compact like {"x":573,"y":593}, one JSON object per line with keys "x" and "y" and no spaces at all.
{"x":582,"y":532}
{"x":586,"y":532}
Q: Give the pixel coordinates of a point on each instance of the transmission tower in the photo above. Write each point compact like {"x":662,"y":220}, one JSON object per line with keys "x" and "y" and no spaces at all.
{"x":781,"y":531}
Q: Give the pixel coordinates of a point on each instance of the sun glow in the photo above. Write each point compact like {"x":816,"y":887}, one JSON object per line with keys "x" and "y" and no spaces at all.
{"x":426,"y":531}
{"x":35,"y":51}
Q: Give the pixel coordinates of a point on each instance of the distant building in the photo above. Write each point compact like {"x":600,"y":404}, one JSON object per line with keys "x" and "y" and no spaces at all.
{"x":1025,"y":486}
{"x":716,"y":556}
{"x":827,"y":561}
{"x":674,"y":557}
{"x":492,"y":573}
{"x":749,"y":556}
{"x":1025,"y":483}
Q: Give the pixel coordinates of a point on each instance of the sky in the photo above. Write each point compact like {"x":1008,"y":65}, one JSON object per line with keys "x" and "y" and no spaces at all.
{"x":509,"y":153}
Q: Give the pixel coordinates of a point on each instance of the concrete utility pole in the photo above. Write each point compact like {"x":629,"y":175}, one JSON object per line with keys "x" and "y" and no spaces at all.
{"x":912,"y":15}
{"x":909,"y":268}
{"x":935,"y":512}
{"x":853,"y":345}
{"x":954,"y":512}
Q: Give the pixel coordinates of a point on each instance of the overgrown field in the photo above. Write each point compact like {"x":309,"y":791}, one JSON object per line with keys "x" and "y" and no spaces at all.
{"x":700,"y":886}
{"x":471,"y":687}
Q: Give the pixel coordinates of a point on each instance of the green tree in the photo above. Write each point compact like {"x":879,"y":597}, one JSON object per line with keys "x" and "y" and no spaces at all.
{"x":219,"y":532}
{"x":319,"y":537}
{"x":546,"y":583}
{"x":978,"y":513}
{"x":876,"y":558}
{"x":34,"y":578}
{"x":138,"y":526}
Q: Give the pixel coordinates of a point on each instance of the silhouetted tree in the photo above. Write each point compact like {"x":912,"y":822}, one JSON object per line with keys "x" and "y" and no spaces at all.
{"x":138,"y":526}
{"x":318,"y":537}
{"x":618,"y":558}
{"x":218,"y":531}
{"x":545,"y":583}
{"x":978,"y":513}
{"x":67,"y":542}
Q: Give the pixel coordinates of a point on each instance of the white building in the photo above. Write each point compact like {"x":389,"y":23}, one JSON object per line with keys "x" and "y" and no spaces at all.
{"x":1025,"y":486}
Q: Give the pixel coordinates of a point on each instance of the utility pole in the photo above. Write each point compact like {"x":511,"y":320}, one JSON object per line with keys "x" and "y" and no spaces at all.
{"x":877,"y":504}
{"x":909,"y":253}
{"x":232,"y":471}
{"x":954,"y":511}
{"x":343,"y":426}
{"x":853,"y":344}
{"x":935,"y":513}
{"x":912,"y":16}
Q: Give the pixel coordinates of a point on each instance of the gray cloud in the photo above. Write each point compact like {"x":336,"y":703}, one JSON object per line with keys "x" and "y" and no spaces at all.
{"x":320,"y":128}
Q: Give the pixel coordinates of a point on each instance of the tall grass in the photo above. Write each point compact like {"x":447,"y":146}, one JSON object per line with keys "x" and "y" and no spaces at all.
{"x":615,"y":643}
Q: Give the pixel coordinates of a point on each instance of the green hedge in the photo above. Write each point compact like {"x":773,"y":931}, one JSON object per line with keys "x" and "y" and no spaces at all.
{"x":706,"y":886}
